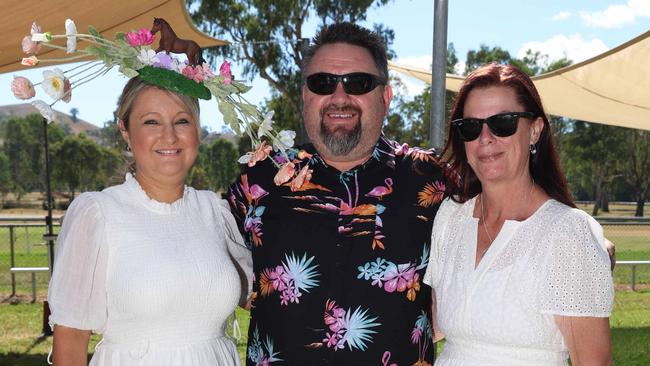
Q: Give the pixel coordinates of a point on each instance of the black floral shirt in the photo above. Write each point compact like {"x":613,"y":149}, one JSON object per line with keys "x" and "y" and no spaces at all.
{"x":338,"y":263}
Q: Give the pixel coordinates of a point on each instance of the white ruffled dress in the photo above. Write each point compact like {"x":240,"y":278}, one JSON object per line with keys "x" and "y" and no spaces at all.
{"x":157,"y":280}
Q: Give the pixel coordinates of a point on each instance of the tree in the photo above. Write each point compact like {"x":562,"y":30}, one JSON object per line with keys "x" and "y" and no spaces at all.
{"x":112,"y":167}
{"x":197,"y":178}
{"x":5,"y":177}
{"x":76,"y":163}
{"x":484,"y":55}
{"x":23,"y":147}
{"x":409,"y":119}
{"x":110,"y":136}
{"x":219,"y":162}
{"x":267,"y":39}
{"x":73,"y":114}
{"x":634,"y":165}
{"x":594,"y":150}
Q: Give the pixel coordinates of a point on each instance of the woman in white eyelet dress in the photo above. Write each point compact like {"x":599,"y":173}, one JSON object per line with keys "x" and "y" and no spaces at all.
{"x":519,"y":278}
{"x":157,"y":278}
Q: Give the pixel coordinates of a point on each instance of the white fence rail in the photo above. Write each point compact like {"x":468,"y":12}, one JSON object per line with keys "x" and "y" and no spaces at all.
{"x":634,"y":264}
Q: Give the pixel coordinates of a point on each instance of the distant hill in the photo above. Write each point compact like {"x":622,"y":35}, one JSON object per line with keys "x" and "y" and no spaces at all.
{"x":64,"y":120}
{"x":214,"y":136}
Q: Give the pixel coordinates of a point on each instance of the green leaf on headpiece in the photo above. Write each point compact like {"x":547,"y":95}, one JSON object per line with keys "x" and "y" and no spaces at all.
{"x":120,"y":36}
{"x":174,"y":81}
{"x":128,"y":72}
{"x":241,"y":87}
{"x":215,"y":89}
{"x":94,"y":32}
{"x":219,"y":89}
{"x":249,"y":109}
{"x":229,"y":115}
{"x":94,"y":50}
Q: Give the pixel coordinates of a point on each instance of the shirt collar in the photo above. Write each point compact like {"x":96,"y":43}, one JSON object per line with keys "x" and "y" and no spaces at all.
{"x":383,"y":153}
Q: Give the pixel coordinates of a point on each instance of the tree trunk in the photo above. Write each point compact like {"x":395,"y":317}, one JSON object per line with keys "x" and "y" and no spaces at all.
{"x":597,"y":195}
{"x":639,"y":207}
{"x":604,"y":198}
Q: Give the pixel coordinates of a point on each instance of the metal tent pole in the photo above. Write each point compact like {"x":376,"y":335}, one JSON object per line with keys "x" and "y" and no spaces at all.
{"x":49,"y":234}
{"x":438,"y":73}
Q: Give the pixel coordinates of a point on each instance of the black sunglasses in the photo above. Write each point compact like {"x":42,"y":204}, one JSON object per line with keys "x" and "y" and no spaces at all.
{"x":502,"y":125}
{"x":356,"y":83}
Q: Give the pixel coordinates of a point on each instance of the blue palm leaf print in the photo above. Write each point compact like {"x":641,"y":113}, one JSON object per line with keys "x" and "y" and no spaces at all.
{"x":358,"y":329}
{"x":300,"y":271}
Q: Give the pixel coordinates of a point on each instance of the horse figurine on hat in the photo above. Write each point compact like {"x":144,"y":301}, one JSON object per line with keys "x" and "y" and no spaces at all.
{"x":169,"y":42}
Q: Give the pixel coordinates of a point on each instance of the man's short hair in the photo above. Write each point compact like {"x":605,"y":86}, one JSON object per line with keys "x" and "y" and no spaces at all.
{"x":353,"y":34}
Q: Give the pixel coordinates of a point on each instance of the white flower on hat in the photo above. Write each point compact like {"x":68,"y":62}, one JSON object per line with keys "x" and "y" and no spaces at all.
{"x":45,"y":110}
{"x":54,"y":83}
{"x":285,"y":140}
{"x":148,"y":57}
{"x":267,"y":125}
{"x":71,"y":32}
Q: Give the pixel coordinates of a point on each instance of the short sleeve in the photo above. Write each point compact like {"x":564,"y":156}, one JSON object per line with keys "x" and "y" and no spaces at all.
{"x":77,"y":290}
{"x":237,"y":201}
{"x":578,"y":279}
{"x":432,"y":275}
{"x":239,"y":253}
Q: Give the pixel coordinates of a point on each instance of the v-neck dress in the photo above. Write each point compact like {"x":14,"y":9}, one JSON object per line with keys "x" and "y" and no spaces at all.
{"x":157,"y":280}
{"x":501,"y":312}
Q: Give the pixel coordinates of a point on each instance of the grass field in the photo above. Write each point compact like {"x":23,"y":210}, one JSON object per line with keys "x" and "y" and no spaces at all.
{"x":20,"y":324}
{"x":21,"y":343}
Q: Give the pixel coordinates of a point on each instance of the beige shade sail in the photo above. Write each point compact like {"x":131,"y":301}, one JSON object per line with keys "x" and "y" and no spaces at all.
{"x":107,"y":16}
{"x":612,"y":88}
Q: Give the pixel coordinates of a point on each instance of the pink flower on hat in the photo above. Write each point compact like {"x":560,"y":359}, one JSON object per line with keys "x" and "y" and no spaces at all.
{"x":67,"y":90}
{"x":194,"y":73}
{"x":225,"y":72}
{"x":22,"y":88}
{"x":29,"y":61}
{"x":140,"y":38}
{"x":29,"y":46}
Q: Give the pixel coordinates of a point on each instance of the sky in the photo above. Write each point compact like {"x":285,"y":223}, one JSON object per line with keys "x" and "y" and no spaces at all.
{"x":578,"y":29}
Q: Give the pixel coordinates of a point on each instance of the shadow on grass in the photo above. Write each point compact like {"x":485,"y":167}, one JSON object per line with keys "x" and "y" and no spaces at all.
{"x":21,"y":359}
{"x":25,"y":358}
{"x":631,"y":346}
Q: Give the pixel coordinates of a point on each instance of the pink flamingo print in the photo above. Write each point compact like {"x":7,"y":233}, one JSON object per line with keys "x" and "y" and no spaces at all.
{"x":380,"y":191}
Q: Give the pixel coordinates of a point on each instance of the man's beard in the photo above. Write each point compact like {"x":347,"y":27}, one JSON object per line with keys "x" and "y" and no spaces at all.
{"x":340,"y":141}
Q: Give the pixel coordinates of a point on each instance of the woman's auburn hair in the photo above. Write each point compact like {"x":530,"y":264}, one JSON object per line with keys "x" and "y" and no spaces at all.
{"x":544,"y":166}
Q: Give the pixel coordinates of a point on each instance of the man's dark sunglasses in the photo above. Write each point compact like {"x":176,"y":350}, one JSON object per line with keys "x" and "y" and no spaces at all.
{"x":356,"y":83}
{"x":502,"y":125}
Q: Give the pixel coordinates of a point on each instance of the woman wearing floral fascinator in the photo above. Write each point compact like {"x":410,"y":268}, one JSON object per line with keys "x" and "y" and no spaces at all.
{"x":154,"y":266}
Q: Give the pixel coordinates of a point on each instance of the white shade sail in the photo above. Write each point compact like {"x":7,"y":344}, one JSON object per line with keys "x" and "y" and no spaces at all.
{"x":612,"y":88}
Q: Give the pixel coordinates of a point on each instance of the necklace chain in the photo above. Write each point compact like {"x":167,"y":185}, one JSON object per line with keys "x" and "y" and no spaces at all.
{"x":487,"y":232}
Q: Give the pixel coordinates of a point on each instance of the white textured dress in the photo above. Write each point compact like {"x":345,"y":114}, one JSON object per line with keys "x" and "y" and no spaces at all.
{"x":501,"y":313}
{"x":157,"y":280}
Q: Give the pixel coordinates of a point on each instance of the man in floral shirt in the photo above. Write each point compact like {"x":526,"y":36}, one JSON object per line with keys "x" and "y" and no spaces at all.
{"x":340,"y":250}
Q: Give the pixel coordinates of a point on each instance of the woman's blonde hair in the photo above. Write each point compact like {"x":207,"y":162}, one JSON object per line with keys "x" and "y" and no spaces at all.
{"x":136,"y":85}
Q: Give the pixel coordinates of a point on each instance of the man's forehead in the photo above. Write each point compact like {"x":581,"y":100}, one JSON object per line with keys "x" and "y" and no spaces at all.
{"x":342,"y":58}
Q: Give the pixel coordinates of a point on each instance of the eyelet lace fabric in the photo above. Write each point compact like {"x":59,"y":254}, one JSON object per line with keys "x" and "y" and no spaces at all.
{"x":502,"y":312}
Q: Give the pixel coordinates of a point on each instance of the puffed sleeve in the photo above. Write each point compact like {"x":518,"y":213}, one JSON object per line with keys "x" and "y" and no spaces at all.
{"x":77,"y":290}
{"x":432,"y":275}
{"x":578,"y":280}
{"x":239,"y":253}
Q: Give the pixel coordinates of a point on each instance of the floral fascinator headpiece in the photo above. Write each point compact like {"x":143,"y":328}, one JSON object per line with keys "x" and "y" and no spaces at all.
{"x":133,"y":54}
